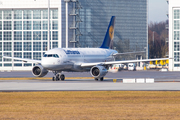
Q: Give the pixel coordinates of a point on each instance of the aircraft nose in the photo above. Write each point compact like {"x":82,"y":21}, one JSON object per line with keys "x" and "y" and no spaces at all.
{"x":43,"y":63}
{"x":50,"y":63}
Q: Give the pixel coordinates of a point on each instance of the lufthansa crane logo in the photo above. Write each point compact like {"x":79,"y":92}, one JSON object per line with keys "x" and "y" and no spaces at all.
{"x":111,"y":32}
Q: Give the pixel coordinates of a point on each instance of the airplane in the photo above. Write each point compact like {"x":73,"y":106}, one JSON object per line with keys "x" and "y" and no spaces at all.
{"x":95,"y":60}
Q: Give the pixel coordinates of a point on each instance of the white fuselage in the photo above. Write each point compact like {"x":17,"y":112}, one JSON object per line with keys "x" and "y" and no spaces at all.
{"x":70,"y":59}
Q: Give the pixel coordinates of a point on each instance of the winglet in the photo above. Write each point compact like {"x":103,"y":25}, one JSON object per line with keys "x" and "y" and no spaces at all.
{"x":108,"y":40}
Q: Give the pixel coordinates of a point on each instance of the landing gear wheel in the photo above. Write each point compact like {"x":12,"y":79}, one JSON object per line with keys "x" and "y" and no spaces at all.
{"x":53,"y":78}
{"x":96,"y":79}
{"x":57,"y":77}
{"x":62,"y":77}
{"x":101,"y":79}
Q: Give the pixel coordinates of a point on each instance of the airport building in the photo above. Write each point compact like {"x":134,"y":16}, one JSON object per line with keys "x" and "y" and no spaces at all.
{"x":174,"y":35}
{"x":24,"y":27}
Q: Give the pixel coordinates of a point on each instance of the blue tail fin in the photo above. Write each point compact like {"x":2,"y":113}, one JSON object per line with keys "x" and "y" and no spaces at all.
{"x":108,"y":40}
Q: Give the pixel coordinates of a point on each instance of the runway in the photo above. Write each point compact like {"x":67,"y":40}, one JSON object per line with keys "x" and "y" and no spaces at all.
{"x":164,"y":81}
{"x":84,"y":85}
{"x":121,"y":74}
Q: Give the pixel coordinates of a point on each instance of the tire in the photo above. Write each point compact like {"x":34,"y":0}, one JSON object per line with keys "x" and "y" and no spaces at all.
{"x":57,"y":78}
{"x":53,"y":78}
{"x":62,"y":77}
{"x":101,"y":79}
{"x":96,"y":79}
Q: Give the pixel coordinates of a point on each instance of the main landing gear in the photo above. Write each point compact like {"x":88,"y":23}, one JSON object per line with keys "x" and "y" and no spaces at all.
{"x":58,"y":76}
{"x":101,"y":79}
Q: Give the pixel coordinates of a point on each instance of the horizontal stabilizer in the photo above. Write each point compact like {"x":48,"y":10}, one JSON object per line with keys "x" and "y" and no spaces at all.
{"x":116,"y":54}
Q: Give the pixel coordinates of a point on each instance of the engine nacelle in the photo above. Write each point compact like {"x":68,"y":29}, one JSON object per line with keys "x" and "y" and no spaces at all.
{"x":98,"y":71}
{"x":39,"y":71}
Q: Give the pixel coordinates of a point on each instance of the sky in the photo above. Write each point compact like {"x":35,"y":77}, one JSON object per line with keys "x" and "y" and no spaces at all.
{"x":157,"y":10}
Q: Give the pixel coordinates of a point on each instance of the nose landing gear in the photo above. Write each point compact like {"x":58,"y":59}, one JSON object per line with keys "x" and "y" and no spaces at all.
{"x":58,"y":76}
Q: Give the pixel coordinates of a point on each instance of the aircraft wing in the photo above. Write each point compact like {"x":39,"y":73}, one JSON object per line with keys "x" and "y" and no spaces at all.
{"x":23,"y":59}
{"x":119,"y":62}
{"x":116,"y":54}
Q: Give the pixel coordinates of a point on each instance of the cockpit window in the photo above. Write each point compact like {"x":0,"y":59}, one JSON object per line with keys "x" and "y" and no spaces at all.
{"x":55,"y":55}
{"x":51,"y":55}
{"x":45,"y":55}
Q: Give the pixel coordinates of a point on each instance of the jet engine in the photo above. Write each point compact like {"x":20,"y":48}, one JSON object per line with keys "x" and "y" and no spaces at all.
{"x":98,"y":71}
{"x":39,"y":71}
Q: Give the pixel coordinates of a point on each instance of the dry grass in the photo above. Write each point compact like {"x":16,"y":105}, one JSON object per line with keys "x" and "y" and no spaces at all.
{"x":90,"y":105}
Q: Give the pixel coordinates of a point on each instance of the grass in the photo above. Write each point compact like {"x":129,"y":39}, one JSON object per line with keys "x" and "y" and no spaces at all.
{"x":84,"y":105}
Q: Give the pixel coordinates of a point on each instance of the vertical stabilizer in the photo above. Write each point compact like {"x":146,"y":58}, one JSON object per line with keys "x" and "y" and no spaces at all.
{"x":108,"y":40}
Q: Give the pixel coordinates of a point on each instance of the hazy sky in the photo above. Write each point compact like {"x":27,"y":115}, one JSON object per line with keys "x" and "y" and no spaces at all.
{"x":158,"y":10}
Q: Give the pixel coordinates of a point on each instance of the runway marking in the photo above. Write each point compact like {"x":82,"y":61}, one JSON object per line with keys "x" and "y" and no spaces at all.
{"x":115,"y":80}
{"x":44,"y":78}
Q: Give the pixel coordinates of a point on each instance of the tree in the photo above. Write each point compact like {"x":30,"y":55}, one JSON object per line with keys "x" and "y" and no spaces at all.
{"x":157,"y":35}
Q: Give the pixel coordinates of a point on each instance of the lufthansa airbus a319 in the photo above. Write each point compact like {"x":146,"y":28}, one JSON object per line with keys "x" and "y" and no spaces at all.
{"x":95,"y":60}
